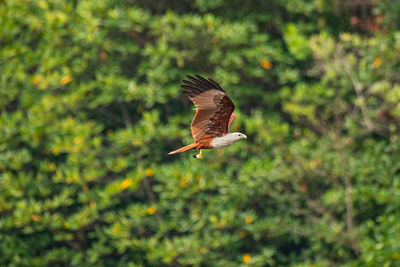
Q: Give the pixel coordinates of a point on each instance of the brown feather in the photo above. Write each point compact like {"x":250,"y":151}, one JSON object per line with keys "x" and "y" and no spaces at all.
{"x":183,"y":149}
{"x":214,"y":108}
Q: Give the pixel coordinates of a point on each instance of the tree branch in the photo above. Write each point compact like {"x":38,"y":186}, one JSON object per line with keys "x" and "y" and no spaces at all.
{"x":357,"y":89}
{"x":125,"y":114}
{"x":151,"y":196}
{"x":347,"y":189}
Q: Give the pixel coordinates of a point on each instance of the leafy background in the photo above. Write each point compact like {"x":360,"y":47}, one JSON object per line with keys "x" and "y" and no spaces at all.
{"x":90,"y":105}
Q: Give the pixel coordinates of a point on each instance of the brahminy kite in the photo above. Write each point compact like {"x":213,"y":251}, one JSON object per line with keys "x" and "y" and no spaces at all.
{"x":214,"y":115}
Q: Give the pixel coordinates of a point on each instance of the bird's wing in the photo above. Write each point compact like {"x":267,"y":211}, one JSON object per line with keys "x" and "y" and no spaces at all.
{"x":231,"y":119}
{"x":214,"y":108}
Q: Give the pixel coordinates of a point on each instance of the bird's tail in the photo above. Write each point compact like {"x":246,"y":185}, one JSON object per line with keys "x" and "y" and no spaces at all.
{"x":183,"y":149}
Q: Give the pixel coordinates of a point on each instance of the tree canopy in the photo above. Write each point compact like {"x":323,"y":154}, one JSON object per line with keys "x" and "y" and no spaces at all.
{"x":90,"y":105}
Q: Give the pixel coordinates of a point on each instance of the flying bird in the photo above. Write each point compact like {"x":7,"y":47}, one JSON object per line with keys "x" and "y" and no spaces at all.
{"x":214,"y":115}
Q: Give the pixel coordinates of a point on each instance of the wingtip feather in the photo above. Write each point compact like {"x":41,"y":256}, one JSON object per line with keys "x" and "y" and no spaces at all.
{"x":197,"y":85}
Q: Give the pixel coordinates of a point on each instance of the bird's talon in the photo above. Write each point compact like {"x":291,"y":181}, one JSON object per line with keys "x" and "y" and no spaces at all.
{"x":198,"y":155}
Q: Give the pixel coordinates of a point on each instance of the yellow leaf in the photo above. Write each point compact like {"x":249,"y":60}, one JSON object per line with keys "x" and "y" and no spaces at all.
{"x":66,"y":79}
{"x":180,"y":62}
{"x":345,"y":36}
{"x":203,"y":250}
{"x":198,"y":178}
{"x":56,"y":150}
{"x":149,"y":172}
{"x":92,"y":204}
{"x":246,"y":258}
{"x":151,"y":210}
{"x":377,"y":62}
{"x":248,"y":220}
{"x":85,"y":189}
{"x":52,"y":166}
{"x":36,"y":218}
{"x":220,"y":225}
{"x":125,"y":183}
{"x":43,"y":4}
{"x":36,"y":80}
{"x":136,"y":142}
{"x":78,"y":140}
{"x":116,"y":229}
{"x":314,"y":163}
{"x":184,"y":182}
{"x":266,"y":64}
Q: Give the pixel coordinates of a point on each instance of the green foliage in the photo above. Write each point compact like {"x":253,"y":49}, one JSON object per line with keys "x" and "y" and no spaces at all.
{"x":90,"y":106}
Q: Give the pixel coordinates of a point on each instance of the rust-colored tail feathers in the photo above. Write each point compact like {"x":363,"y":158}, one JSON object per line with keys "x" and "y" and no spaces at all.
{"x":183,"y":149}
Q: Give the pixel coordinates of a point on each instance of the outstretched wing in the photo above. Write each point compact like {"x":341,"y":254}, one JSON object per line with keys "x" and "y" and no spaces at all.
{"x":214,"y":108}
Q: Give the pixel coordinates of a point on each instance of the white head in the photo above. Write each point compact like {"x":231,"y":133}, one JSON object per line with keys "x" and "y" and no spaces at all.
{"x":236,"y":136}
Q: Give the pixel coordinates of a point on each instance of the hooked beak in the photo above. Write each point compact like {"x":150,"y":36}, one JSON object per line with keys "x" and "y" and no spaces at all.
{"x":245,"y":136}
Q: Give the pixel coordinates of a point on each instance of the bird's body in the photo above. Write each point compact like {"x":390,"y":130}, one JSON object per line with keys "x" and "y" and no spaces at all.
{"x":225,"y":140}
{"x":214,"y":115}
